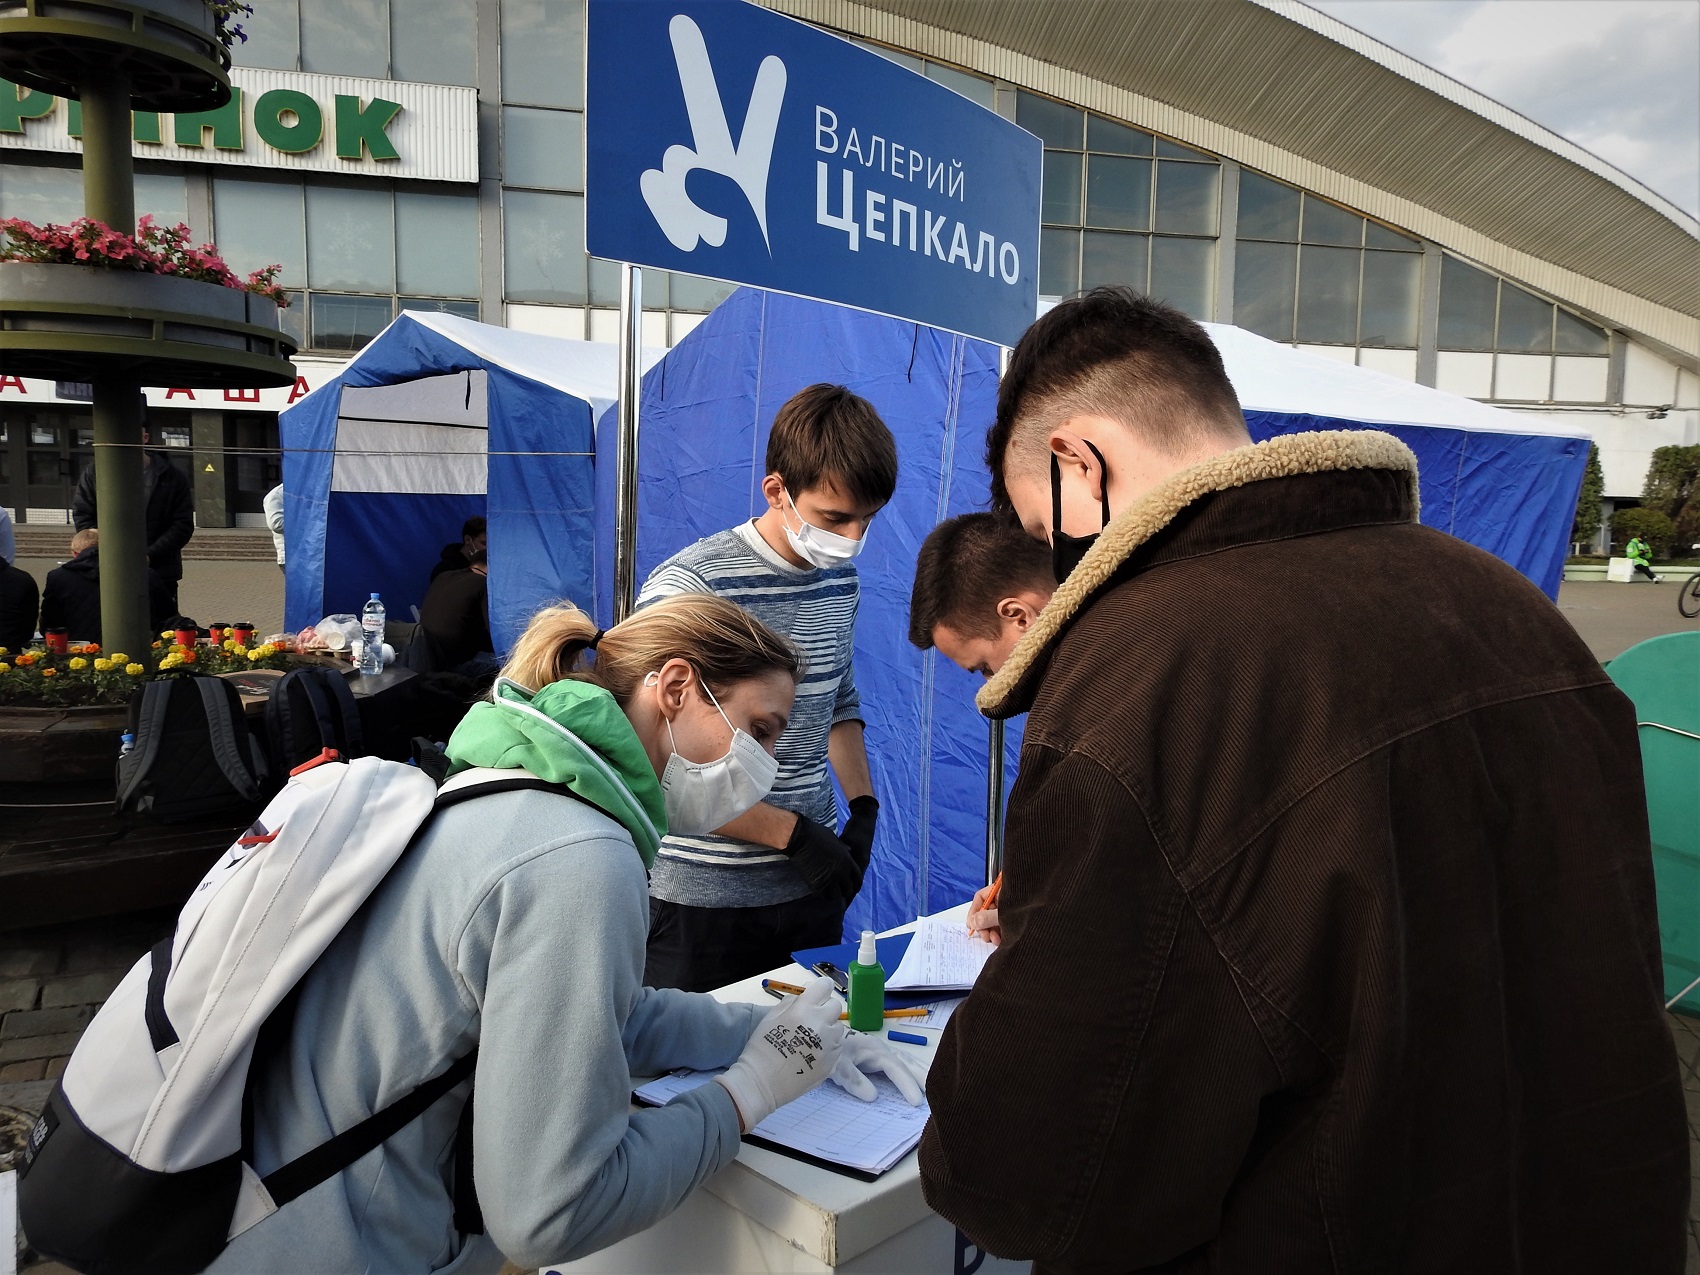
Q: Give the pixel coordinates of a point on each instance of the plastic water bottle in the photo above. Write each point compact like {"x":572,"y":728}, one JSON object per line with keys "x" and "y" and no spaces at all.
{"x":126,"y":743}
{"x":372,"y":635}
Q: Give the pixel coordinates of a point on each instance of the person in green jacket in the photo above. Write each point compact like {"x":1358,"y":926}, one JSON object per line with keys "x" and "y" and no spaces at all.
{"x":1638,"y":553}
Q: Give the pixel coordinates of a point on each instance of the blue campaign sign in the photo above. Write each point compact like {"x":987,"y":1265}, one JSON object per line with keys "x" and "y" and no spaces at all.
{"x":728,"y":141}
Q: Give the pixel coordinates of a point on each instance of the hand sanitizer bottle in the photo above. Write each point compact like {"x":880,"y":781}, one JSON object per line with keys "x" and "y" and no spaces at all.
{"x":867,"y":988}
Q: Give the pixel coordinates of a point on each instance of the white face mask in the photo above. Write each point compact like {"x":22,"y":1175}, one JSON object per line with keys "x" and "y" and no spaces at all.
{"x":704,"y":795}
{"x":821,"y":547}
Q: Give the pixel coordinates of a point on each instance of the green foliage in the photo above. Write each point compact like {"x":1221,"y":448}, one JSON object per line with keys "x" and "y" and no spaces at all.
{"x":1654,"y":527}
{"x":1588,"y":501}
{"x":1673,"y":482}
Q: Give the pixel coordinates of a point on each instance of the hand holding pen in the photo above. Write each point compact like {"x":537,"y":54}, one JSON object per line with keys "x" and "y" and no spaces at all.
{"x":983,"y":912}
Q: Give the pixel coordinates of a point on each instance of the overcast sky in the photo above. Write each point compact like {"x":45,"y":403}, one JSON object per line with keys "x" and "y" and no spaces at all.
{"x":1618,"y":77}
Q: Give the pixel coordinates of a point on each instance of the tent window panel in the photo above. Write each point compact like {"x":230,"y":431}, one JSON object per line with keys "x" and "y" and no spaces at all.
{"x":350,"y":239}
{"x":41,"y":194}
{"x":542,"y":148}
{"x":543,"y":52}
{"x":1059,"y":200}
{"x":543,"y":241}
{"x":1328,"y":295}
{"x":1182,"y":273}
{"x":258,"y":223}
{"x":1392,"y":299}
{"x":1108,"y":257}
{"x":1326,"y":224}
{"x":274,"y":36}
{"x":1265,"y":276}
{"x":1268,"y":210}
{"x":1186,"y":198}
{"x":1578,"y":336}
{"x":433,"y":41}
{"x":1058,"y":126}
{"x":351,"y":37}
{"x":1468,"y":300}
{"x":1115,"y":139}
{"x":1059,"y":262}
{"x":436,"y":244}
{"x":1118,"y":192}
{"x":347,"y":323}
{"x":1525,"y":321}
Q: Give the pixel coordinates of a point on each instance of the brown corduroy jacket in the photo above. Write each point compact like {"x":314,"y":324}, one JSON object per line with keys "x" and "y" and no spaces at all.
{"x":1329,"y":940}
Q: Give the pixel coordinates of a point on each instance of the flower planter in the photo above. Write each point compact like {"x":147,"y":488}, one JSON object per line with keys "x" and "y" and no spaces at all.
{"x":41,"y":746}
{"x":167,"y":48}
{"x":75,"y":323}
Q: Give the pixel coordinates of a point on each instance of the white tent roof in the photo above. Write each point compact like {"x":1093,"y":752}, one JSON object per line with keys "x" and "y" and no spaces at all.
{"x":1271,"y":377}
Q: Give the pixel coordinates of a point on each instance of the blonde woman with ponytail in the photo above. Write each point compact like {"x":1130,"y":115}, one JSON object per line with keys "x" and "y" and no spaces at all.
{"x":515,"y":925}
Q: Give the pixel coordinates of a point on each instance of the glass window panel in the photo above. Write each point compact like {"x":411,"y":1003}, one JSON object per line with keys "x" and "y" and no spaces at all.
{"x":40,"y":195}
{"x":1186,"y":198}
{"x":293,"y":319}
{"x":544,"y":239}
{"x":1268,"y":210}
{"x":351,"y":37}
{"x":691,"y":292}
{"x":1174,"y":150}
{"x":164,"y":195}
{"x":1183,"y":274}
{"x":605,"y":282}
{"x":1116,"y":139}
{"x":1525,"y":321}
{"x":1118,"y":192}
{"x":542,"y":148}
{"x":1326,"y":224}
{"x":1107,"y":257}
{"x":1059,"y":262}
{"x":906,"y":60}
{"x":1578,"y":336}
{"x":1378,"y":236}
{"x":1392,"y":301}
{"x":971,"y":87}
{"x":434,"y":41}
{"x":1053,"y":123}
{"x":436,"y":244}
{"x":258,"y":223}
{"x":1467,"y":298}
{"x":347,"y":323}
{"x":1264,"y":278}
{"x":274,"y":36}
{"x":350,"y":239}
{"x":433,"y":305}
{"x":1060,"y":197}
{"x":656,"y":286}
{"x":1328,"y":295}
{"x":543,"y":52}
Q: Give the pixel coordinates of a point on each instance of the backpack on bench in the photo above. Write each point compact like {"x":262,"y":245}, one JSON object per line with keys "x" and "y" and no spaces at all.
{"x":310,"y":710}
{"x":194,"y":754}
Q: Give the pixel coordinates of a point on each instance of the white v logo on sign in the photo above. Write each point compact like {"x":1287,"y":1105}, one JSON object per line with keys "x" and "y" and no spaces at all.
{"x":680,"y":219}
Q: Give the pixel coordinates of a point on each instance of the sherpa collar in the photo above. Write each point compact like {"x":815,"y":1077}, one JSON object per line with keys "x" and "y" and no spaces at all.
{"x":1282,"y":457}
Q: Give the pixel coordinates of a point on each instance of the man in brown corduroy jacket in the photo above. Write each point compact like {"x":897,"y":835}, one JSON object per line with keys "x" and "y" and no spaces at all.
{"x":1329,"y":940}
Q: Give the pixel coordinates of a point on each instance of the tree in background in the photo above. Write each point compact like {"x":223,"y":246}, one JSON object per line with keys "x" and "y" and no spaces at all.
{"x":1673,"y":489}
{"x":1651,"y":525}
{"x":1587,"y":523}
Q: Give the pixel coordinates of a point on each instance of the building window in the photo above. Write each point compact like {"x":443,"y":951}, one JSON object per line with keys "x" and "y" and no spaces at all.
{"x":433,"y":41}
{"x":1310,"y":271}
{"x":543,"y":237}
{"x":257,"y":223}
{"x":543,"y":52}
{"x":350,"y":239}
{"x":436,"y":244}
{"x":346,"y":323}
{"x":1480,"y":311}
{"x":351,"y":37}
{"x":40,"y":194}
{"x":542,"y":149}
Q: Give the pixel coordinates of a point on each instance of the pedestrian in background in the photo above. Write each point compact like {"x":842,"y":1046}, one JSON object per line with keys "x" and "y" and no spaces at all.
{"x":168,"y":512}
{"x":70,"y":596}
{"x":273,"y":506}
{"x":18,"y":593}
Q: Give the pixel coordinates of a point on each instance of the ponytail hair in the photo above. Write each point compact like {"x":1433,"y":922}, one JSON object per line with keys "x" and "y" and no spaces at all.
{"x":721,"y":640}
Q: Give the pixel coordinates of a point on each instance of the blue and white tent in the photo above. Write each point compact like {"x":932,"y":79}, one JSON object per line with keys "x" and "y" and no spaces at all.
{"x":1503,"y":481}
{"x":437,"y":419}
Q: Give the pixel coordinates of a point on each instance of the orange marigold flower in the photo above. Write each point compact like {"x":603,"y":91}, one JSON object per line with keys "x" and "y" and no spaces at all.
{"x":50,"y":672}
{"x":26,"y":659}
{"x":91,"y":648}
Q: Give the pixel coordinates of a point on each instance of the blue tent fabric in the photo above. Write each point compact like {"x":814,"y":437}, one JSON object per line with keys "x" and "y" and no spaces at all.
{"x":358,"y":521}
{"x":1496,"y":480}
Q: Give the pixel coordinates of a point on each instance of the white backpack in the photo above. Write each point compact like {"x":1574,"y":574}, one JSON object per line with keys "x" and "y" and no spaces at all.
{"x":138,"y":1163}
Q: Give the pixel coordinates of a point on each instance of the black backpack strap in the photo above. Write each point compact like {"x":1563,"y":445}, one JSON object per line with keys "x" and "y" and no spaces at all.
{"x":353,"y":738}
{"x":469,"y":1214}
{"x":223,"y":729}
{"x":330,"y":1158}
{"x":320,"y":703}
{"x":149,"y":728}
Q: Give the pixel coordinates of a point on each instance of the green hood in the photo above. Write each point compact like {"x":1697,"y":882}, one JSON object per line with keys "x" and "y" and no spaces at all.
{"x":573,"y":734}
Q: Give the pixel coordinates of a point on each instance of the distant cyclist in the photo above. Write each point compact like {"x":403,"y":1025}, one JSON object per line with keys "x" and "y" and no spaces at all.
{"x":1638,"y":553}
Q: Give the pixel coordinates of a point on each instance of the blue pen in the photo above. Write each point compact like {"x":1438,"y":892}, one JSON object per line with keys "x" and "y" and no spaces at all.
{"x":908,"y":1038}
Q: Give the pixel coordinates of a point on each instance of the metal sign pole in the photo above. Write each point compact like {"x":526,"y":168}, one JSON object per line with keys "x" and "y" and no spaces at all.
{"x":626,"y":453}
{"x":994,"y":752}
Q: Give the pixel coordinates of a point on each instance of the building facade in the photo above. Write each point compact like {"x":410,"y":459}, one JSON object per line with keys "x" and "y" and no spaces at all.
{"x":1251,"y":161}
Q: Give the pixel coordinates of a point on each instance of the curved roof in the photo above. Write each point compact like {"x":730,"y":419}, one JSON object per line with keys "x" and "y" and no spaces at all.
{"x":1292,"y":92}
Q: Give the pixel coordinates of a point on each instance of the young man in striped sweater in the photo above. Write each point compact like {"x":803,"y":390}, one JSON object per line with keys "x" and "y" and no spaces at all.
{"x":733,"y":903}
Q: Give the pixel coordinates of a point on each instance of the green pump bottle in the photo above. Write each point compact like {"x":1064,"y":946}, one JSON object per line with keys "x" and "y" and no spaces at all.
{"x":867,"y":988}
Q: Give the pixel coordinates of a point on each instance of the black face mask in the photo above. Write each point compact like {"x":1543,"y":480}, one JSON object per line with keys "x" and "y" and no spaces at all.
{"x":1067,"y":550}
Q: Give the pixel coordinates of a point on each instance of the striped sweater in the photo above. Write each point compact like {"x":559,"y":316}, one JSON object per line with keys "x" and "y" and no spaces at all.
{"x":816,"y":609}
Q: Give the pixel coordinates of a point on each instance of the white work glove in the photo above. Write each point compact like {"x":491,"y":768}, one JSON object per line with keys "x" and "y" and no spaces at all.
{"x":791,"y":1051}
{"x":864,"y":1053}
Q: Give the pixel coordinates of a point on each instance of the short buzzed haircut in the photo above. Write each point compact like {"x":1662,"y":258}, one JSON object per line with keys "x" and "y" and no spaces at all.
{"x":967,"y":565}
{"x":87,"y":538}
{"x":473,"y":527}
{"x":1111,"y":352}
{"x":826,"y":432}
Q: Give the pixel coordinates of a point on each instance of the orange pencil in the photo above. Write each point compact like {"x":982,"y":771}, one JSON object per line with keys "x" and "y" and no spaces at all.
{"x":900,"y":1013}
{"x":991,"y":897}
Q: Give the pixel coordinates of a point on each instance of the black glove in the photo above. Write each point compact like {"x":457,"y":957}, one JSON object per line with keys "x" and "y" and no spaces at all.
{"x":858,"y":831}
{"x":827,"y":864}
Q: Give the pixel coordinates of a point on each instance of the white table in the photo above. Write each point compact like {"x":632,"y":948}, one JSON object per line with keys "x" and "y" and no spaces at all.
{"x":772,"y":1213}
